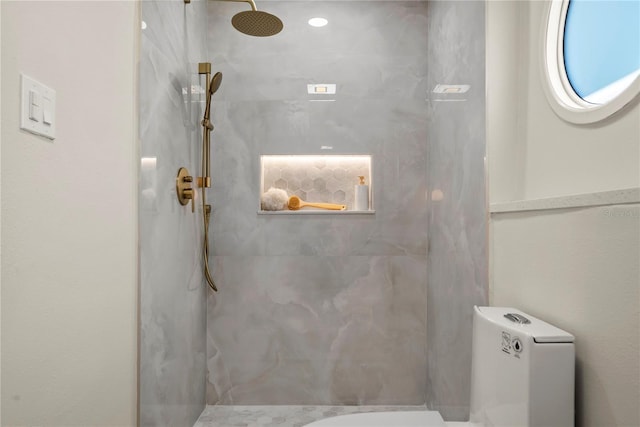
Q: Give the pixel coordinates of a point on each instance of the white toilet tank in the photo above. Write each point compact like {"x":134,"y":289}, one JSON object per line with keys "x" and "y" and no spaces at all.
{"x":522,"y":371}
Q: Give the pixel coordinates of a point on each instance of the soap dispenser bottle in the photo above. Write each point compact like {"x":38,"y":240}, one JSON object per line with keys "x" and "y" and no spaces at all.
{"x":362,"y":195}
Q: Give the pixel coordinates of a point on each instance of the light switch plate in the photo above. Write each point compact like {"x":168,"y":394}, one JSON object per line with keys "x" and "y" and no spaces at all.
{"x":39,"y":119}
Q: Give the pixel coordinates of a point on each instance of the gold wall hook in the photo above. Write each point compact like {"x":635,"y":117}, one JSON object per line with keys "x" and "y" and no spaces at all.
{"x":183,"y":188}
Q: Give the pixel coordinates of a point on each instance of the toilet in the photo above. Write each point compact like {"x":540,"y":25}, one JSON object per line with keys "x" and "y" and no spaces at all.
{"x":522,"y":374}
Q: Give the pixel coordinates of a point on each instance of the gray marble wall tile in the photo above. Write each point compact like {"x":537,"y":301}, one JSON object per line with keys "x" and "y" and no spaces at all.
{"x":320,"y":309}
{"x":368,"y":49}
{"x":173,"y":294}
{"x":457,"y":258}
{"x":398,"y":180}
{"x":301,"y":329}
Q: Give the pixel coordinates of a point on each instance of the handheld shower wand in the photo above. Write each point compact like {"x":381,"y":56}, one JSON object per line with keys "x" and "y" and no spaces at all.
{"x":207,"y":126}
{"x":205,"y":180}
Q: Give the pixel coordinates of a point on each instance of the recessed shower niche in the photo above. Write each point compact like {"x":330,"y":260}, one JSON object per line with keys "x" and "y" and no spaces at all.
{"x":319,"y":179}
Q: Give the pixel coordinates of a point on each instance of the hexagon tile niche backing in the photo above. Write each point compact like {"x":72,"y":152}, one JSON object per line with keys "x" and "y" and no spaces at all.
{"x":318,"y":178}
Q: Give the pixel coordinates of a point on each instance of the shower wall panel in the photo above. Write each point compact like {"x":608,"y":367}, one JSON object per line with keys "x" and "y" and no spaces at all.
{"x":457,"y":260}
{"x":173,"y":292}
{"x":320,"y":309}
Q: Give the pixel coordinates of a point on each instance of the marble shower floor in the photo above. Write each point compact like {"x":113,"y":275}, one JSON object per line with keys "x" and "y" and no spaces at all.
{"x":281,"y":415}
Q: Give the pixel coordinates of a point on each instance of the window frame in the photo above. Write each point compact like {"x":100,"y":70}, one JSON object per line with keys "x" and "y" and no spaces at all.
{"x":564,"y":101}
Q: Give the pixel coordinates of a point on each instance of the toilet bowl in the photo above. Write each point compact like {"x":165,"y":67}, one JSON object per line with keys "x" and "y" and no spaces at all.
{"x":522,"y":374}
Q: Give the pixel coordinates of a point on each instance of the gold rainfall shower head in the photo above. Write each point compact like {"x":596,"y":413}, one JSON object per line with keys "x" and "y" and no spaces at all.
{"x":254,"y":22}
{"x":257,"y":23}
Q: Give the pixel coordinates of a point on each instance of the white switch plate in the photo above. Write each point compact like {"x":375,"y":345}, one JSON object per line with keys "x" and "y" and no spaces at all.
{"x":44,"y":115}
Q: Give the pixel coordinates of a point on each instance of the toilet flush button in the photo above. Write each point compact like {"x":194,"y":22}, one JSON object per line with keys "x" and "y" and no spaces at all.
{"x":517,"y":318}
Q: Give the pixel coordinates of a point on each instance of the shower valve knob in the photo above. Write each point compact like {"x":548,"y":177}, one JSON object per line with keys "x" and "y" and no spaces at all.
{"x":188,"y":194}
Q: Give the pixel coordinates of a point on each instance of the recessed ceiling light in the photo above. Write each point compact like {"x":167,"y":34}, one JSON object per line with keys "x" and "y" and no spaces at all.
{"x":318,"y":22}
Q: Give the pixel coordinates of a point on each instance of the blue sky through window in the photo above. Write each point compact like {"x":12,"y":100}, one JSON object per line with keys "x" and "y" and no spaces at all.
{"x":601,"y":43}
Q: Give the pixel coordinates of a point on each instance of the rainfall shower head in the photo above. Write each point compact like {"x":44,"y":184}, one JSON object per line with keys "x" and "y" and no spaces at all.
{"x":257,"y":23}
{"x":254,"y":22}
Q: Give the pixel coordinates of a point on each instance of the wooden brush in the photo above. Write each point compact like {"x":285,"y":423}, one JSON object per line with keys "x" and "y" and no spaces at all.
{"x":295,"y":203}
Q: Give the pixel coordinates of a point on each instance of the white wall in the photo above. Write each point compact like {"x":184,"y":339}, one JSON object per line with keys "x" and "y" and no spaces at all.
{"x":504,"y":152}
{"x":563,"y":158}
{"x":533,"y":153}
{"x":69,"y":219}
{"x":577,"y":268}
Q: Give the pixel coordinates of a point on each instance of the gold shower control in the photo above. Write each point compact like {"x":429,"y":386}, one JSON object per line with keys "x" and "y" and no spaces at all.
{"x":183,"y":188}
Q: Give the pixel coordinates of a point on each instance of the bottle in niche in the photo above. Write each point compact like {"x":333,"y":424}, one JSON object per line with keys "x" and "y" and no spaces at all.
{"x":361,"y":196}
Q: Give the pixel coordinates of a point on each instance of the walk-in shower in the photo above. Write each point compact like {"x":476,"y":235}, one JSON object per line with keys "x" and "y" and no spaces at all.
{"x":317,"y":312}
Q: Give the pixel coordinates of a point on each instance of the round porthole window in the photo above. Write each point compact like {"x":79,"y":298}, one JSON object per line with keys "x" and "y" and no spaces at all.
{"x":592,"y":57}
